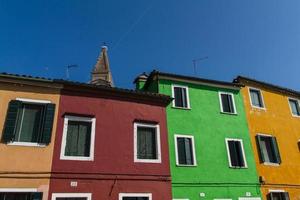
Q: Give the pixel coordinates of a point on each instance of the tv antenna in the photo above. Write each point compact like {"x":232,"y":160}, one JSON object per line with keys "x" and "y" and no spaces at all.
{"x":68,"y":67}
{"x":195,"y":63}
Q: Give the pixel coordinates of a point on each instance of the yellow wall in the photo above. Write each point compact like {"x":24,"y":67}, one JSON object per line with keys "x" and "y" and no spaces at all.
{"x":278,"y":121}
{"x":33,"y":164}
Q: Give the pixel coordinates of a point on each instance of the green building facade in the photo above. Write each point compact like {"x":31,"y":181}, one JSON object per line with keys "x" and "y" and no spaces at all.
{"x":210,"y":151}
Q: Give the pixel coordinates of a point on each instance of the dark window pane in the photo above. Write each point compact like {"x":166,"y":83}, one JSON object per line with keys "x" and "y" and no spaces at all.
{"x":15,"y":196}
{"x":236,"y":153}
{"x":185,"y":151}
{"x":146,"y":143}
{"x":256,"y":98}
{"x":294,"y":107}
{"x":29,"y":123}
{"x":227,"y":103}
{"x":78,"y":139}
{"x":268,"y":150}
{"x":180,"y":96}
{"x":279,"y":196}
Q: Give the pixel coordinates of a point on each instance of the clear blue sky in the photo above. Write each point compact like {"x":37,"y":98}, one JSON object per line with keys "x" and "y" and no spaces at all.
{"x":257,"y":38}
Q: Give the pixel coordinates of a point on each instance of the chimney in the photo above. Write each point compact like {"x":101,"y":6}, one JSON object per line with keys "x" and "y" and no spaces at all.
{"x":101,"y":74}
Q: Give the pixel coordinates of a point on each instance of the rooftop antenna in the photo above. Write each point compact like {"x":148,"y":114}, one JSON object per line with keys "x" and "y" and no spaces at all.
{"x":68,"y":70}
{"x":195,"y":63}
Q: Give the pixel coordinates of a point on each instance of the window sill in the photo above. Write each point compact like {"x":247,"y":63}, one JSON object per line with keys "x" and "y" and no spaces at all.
{"x":76,"y":158}
{"x":271,"y":164}
{"x":180,"y":165}
{"x":181,"y":108}
{"x":26,"y":144}
{"x":147,"y":160}
{"x":258,"y":108}
{"x":228,"y":113}
{"x":232,"y":167}
{"x":296,"y":116}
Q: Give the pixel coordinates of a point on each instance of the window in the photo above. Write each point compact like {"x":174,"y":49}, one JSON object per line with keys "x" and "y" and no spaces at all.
{"x":256,"y":98}
{"x":71,"y":196}
{"x":146,"y":143}
{"x":135,"y":196}
{"x":185,"y":150}
{"x":268,"y":149}
{"x":276,"y":195}
{"x":227,"y":103}
{"x":21,"y":196}
{"x":236,"y":154}
{"x":28,"y":122}
{"x":78,"y":138}
{"x":181,"y":96}
{"x":294,"y":105}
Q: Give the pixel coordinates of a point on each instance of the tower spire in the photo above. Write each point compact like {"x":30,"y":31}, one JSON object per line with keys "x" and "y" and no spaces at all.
{"x":101,"y":74}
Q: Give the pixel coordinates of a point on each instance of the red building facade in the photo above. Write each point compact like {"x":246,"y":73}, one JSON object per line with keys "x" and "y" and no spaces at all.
{"x":110,"y":144}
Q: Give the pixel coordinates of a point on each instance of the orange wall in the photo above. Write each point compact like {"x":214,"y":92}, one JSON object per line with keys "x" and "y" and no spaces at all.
{"x":33,"y":162}
{"x":278,"y":121}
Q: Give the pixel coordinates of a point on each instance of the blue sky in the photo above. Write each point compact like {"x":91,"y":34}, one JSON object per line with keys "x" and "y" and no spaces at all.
{"x":257,"y":38}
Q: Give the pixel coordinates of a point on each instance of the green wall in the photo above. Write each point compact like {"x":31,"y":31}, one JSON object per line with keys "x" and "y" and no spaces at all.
{"x":212,"y":175}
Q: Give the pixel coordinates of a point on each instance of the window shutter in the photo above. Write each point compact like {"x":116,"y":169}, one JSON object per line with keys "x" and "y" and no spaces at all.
{"x":239,"y":151}
{"x":276,"y":150}
{"x":48,"y":123}
{"x":286,"y":196}
{"x":269,"y":196}
{"x":11,"y":120}
{"x":37,"y":196}
{"x":233,"y":154}
{"x":261,"y":155}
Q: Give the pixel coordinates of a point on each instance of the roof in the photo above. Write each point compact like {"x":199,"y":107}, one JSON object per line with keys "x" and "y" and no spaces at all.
{"x":191,"y":79}
{"x":244,"y":80}
{"x":91,"y":88}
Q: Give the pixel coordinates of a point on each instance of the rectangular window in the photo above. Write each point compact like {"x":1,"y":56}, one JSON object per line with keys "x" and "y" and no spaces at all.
{"x":78,"y":138}
{"x":268,"y":149}
{"x":28,"y":121}
{"x":185,"y":150}
{"x":135,"y":196}
{"x":181,"y":96}
{"x":71,"y":196}
{"x":236,"y":154}
{"x":21,"y":196}
{"x":294,"y":105}
{"x":146,"y":143}
{"x":227,"y":103}
{"x":278,"y":196}
{"x":256,"y":98}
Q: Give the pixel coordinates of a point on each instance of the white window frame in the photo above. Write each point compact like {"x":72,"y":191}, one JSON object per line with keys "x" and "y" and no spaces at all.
{"x":249,"y":198}
{"x":180,"y":199}
{"x":268,"y":163}
{"x":158,"y":147}
{"x":16,"y":190}
{"x":297,"y":100}
{"x":88,"y":196}
{"x":29,"y":144}
{"x":228,"y":153}
{"x":222,"y":199}
{"x":187,"y":96}
{"x":68,"y":118}
{"x":262,"y":98}
{"x":193,"y":148}
{"x":233,"y":102}
{"x":121,"y":195}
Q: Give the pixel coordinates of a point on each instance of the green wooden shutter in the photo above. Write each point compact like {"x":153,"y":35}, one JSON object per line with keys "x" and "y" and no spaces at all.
{"x":37,"y":196}
{"x":261,"y":154}
{"x":276,"y":150}
{"x":48,"y":123}
{"x":11,"y":120}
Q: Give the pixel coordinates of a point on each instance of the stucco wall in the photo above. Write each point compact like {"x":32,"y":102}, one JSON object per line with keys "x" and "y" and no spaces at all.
{"x":278,"y":121}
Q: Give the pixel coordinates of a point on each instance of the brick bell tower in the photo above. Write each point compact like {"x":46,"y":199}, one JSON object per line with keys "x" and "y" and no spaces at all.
{"x":101,"y":74}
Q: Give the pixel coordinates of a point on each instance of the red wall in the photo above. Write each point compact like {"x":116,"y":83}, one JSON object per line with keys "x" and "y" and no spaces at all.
{"x":114,"y":154}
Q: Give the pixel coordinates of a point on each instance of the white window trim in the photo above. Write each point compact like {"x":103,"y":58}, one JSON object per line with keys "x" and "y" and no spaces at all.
{"x":136,"y":159}
{"x":19,"y":190}
{"x":293,"y":99}
{"x":222,"y":199}
{"x":193,"y":148}
{"x":228,"y":153}
{"x":180,"y":199}
{"x":70,"y":195}
{"x":64,"y":138}
{"x":121,"y":195}
{"x":249,"y":198}
{"x":29,"y":144}
{"x":262,"y":98}
{"x":276,"y":191}
{"x":268,"y":163}
{"x":233,"y":102}
{"x":187,"y":97}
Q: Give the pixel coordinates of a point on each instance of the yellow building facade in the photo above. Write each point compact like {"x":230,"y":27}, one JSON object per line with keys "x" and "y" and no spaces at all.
{"x":273,"y":116}
{"x":26,"y":160}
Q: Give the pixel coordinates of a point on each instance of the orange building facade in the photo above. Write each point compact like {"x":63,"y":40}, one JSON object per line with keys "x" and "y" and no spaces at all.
{"x":26,"y":150}
{"x":273,"y":116}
